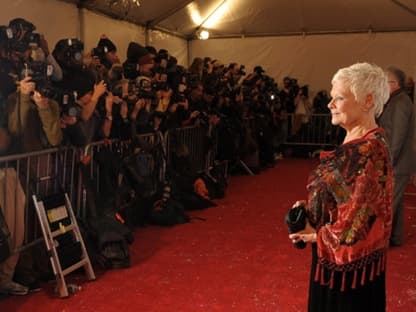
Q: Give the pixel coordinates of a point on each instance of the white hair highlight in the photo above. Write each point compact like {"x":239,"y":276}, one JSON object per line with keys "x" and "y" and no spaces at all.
{"x":364,"y":79}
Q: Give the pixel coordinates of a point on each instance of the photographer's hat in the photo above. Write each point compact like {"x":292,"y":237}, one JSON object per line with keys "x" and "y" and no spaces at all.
{"x":258,"y":69}
{"x":217,"y":63}
{"x":151,"y":49}
{"x":21,"y":27}
{"x":106,"y":44}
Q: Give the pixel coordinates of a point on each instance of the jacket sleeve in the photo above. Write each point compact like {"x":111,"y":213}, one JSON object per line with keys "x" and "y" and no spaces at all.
{"x":13,"y":112}
{"x":50,"y":118}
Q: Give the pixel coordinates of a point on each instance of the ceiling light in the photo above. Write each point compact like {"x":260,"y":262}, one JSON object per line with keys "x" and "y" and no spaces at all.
{"x":203,"y":34}
{"x":124,"y":3}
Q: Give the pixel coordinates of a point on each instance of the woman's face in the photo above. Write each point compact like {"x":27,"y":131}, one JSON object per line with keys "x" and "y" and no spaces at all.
{"x":345,"y":109}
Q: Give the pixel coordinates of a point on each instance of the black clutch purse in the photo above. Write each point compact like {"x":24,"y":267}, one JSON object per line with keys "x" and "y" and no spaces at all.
{"x":296,"y":221}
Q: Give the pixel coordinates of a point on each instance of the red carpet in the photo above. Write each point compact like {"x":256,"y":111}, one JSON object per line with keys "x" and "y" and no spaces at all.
{"x":239,"y":259}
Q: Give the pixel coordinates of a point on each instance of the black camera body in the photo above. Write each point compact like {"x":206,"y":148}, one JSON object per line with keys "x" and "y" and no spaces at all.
{"x":131,"y":70}
{"x":33,"y":39}
{"x":296,"y":221}
{"x":241,"y":70}
{"x":39,"y":73}
{"x":68,"y":53}
{"x":144,"y":94}
{"x":69,"y":105}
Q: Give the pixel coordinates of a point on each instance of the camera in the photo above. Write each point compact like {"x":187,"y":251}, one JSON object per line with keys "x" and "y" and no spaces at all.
{"x":131,"y":70}
{"x":69,"y":106}
{"x":33,"y":39}
{"x":99,"y":52}
{"x":143,"y":94}
{"x":68,"y":53}
{"x":241,"y":71}
{"x":40,"y":73}
{"x":144,"y":87}
{"x":296,"y":221}
{"x":162,"y":57}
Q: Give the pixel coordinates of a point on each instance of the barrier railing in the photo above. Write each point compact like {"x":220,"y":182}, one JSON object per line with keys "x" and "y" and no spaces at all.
{"x":49,"y":171}
{"x":192,"y":141}
{"x":314,"y":129}
{"x":39,"y":173}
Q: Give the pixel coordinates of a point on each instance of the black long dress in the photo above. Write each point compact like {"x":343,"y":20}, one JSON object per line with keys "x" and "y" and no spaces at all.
{"x":371,"y":297}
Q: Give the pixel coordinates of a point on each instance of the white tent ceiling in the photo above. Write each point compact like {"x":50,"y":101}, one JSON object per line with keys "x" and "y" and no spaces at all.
{"x":245,"y":18}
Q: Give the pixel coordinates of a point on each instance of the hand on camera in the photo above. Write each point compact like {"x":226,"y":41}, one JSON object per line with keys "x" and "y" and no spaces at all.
{"x":67,"y":121}
{"x":99,"y":89}
{"x":194,"y":114}
{"x":95,"y":61}
{"x":214,"y":120}
{"x":40,"y":100}
{"x":27,"y":86}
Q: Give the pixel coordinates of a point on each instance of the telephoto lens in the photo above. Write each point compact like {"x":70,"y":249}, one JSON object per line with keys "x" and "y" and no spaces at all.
{"x":296,"y":221}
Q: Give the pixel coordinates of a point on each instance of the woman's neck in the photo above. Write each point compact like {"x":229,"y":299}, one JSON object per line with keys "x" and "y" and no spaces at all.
{"x":358,"y":131}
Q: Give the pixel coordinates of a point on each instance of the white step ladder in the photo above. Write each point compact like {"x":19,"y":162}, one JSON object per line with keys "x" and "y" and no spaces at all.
{"x":57,"y":218}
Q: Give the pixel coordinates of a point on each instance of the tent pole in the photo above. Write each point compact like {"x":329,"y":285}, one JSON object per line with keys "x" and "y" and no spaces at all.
{"x":147,"y":34}
{"x":81,"y":24}
{"x":188,"y":52}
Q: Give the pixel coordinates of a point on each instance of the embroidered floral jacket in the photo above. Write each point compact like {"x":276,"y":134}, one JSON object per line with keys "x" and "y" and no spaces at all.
{"x":350,"y":205}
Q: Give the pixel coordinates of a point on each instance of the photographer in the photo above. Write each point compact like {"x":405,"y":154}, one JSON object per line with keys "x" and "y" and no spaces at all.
{"x":33,"y":119}
{"x":288,"y":93}
{"x":303,"y":110}
{"x":36,"y":44}
{"x":94,"y":119}
{"x":235,"y":72}
{"x":103,"y":57}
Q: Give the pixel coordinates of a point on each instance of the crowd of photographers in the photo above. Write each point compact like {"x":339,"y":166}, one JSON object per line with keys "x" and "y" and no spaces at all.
{"x":67,"y":96}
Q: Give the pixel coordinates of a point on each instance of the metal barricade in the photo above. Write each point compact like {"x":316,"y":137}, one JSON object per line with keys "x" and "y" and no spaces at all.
{"x":121,"y":150}
{"x":315,"y":130}
{"x":192,"y":141}
{"x":38,"y":173}
{"x":46,"y":172}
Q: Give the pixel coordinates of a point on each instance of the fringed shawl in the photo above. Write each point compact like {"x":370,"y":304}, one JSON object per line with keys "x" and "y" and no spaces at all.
{"x":350,"y":205}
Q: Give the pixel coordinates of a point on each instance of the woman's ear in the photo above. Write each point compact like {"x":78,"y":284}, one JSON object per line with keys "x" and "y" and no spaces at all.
{"x":368,"y":103}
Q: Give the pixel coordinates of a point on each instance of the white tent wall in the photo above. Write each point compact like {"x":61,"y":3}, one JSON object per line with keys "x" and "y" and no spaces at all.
{"x":176,"y":46}
{"x":58,"y":20}
{"x":312,"y":59}
{"x":119,"y":32}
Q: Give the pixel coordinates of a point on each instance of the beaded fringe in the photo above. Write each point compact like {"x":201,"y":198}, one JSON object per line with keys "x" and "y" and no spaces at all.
{"x":377,"y":267}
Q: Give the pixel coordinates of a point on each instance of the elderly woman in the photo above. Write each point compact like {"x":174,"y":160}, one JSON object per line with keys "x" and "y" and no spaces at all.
{"x":349,"y":204}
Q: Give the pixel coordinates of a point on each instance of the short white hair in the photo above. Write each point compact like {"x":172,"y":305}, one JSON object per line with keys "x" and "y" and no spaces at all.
{"x":364,"y":79}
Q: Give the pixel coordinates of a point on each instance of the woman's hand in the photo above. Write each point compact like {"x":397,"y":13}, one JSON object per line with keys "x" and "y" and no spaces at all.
{"x":308,"y":235}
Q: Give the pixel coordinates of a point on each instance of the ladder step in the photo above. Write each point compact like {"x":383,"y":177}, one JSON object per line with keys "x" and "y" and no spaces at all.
{"x":75,"y":266}
{"x":67,"y":228}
